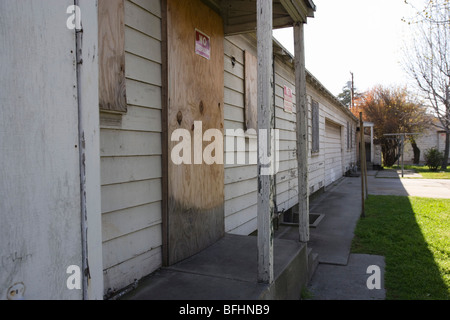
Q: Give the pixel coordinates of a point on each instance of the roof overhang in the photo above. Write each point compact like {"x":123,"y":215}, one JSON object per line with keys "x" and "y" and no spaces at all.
{"x":239,"y":16}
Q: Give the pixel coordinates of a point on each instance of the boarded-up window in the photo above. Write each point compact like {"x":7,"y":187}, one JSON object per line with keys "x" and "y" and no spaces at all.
{"x":111,"y":38}
{"x":315,"y":127}
{"x":251,"y":91}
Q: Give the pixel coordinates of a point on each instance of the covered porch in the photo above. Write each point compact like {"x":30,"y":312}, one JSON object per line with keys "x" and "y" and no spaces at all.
{"x":229,"y":266}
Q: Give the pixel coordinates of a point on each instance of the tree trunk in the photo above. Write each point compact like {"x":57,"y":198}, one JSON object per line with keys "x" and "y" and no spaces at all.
{"x":446,"y":151}
{"x":416,"y":151}
{"x":390,"y":155}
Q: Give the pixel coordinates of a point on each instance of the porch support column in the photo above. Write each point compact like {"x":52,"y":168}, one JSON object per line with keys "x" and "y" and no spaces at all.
{"x":302,"y":131}
{"x":265,"y":148}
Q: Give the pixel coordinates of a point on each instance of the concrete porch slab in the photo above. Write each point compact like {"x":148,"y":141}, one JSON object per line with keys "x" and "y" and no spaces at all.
{"x":228,"y":271}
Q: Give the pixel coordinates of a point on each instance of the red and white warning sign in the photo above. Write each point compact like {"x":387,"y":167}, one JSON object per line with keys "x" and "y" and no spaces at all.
{"x":288,"y":100}
{"x":202,"y":44}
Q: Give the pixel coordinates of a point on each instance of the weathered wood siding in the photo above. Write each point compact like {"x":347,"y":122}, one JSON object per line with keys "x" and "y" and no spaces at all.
{"x":131,"y":156}
{"x":287,"y":176}
{"x":241,"y":179}
{"x":331,"y":148}
{"x":40,"y":172}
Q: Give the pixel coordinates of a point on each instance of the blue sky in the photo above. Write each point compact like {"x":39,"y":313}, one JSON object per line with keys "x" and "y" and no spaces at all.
{"x":365,"y":37}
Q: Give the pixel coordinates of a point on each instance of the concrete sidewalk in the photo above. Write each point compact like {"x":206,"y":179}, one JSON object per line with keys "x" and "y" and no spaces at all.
{"x":341,"y":275}
{"x":231,"y":263}
{"x":386,"y":182}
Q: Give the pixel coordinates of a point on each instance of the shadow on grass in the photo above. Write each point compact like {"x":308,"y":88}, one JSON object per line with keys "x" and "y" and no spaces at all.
{"x":391,"y":229}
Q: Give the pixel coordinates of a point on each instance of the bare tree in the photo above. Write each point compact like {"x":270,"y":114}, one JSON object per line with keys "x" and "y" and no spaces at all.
{"x":427,"y":61}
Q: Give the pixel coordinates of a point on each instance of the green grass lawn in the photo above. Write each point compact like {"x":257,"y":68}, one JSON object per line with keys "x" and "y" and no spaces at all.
{"x":425,"y":172}
{"x":413,"y":234}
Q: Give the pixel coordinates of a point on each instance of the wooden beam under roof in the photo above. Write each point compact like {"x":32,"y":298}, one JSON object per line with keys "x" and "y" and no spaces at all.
{"x":239,"y":16}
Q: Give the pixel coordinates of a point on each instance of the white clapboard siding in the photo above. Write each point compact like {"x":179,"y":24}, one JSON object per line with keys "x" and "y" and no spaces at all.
{"x":287,"y":175}
{"x":131,"y":150}
{"x":240,"y":180}
{"x":322,"y":163}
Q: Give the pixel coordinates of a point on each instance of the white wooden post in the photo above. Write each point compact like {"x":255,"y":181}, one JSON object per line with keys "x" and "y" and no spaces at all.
{"x":265,"y":125}
{"x":302,"y":131}
{"x":90,"y":150}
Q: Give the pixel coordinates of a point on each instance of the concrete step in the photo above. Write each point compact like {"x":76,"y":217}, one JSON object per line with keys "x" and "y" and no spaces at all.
{"x":228,"y":271}
{"x":313,"y":262}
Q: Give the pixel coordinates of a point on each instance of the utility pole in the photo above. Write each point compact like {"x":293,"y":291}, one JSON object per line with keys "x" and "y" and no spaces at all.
{"x":362,"y":165}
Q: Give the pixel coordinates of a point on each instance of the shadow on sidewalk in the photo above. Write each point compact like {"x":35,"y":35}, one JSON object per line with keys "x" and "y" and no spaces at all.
{"x":397,"y":241}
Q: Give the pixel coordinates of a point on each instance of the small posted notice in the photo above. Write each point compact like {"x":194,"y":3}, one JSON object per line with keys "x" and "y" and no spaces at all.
{"x":202,"y":44}
{"x":288,"y":100}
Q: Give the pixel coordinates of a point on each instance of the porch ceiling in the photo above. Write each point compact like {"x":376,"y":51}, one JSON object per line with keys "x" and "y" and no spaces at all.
{"x":239,"y":16}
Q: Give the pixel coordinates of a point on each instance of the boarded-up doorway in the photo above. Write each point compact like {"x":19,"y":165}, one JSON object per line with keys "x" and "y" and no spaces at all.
{"x":195,"y":192}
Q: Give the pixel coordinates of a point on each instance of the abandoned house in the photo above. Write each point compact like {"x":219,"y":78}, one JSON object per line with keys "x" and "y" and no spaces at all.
{"x":97,"y":97}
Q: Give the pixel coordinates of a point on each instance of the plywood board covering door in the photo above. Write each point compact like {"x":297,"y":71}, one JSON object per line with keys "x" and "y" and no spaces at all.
{"x":195,"y":198}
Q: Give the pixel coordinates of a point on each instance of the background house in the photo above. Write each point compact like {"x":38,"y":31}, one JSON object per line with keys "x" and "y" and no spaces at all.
{"x":432,"y":137}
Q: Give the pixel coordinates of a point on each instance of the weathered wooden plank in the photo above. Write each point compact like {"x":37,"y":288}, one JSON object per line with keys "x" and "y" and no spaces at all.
{"x":240,"y":203}
{"x":251,"y":91}
{"x":128,"y":169}
{"x":116,"y":143}
{"x":234,"y":113}
{"x":231,"y":50}
{"x":302,"y":131}
{"x":196,"y":93}
{"x":142,"y":69}
{"x":234,"y":83}
{"x":152,"y":6}
{"x":111,"y":43}
{"x":234,"y":67}
{"x":265,"y":122}
{"x":240,"y":173}
{"x":240,"y":218}
{"x":143,"y":94}
{"x":142,"y":20}
{"x":123,"y":274}
{"x":126,"y":195}
{"x":234,"y":190}
{"x":136,"y":119}
{"x":233,"y":98}
{"x":118,"y":250}
{"x":120,"y":223}
{"x":133,"y":44}
{"x":40,"y":234}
